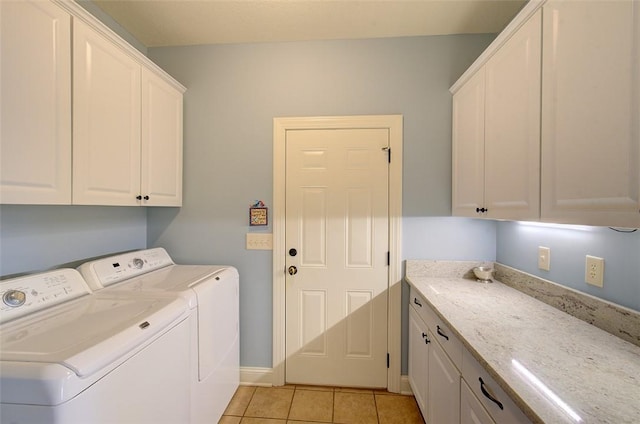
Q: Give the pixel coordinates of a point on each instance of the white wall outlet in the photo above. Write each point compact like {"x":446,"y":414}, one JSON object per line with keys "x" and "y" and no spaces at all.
{"x":259,"y":241}
{"x":544,"y":258}
{"x":594,"y":271}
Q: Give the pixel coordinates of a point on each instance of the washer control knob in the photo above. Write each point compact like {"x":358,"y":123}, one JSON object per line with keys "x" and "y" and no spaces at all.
{"x":14,"y":298}
{"x":138,"y":263}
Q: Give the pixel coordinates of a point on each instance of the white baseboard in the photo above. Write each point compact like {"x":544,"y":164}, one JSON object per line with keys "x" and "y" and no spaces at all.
{"x":254,"y":376}
{"x":405,"y":387}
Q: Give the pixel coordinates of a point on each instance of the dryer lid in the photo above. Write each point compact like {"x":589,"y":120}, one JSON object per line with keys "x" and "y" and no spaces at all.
{"x":90,"y":333}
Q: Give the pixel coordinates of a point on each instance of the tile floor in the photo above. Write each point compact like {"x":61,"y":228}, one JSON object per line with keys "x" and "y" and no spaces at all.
{"x":292,"y":404}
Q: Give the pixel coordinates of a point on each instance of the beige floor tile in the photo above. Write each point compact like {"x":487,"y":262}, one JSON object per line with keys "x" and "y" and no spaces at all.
{"x":228,"y":419}
{"x":354,"y":408}
{"x":240,"y":400}
{"x":312,"y":405}
{"x":269,"y":402}
{"x":398,"y":409}
{"x":304,"y":422}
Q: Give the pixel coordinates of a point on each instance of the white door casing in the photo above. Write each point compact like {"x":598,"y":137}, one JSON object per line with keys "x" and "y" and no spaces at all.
{"x":392,"y":125}
{"x":337,"y":223}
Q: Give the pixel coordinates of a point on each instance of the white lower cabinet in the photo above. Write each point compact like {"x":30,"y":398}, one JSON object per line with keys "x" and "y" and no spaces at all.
{"x":418,"y":359}
{"x":471,"y":410}
{"x":449,"y":385}
{"x":444,"y":387}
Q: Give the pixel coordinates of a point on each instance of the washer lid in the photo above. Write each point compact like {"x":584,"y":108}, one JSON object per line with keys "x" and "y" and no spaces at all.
{"x":173,"y":280}
{"x":89,"y":333}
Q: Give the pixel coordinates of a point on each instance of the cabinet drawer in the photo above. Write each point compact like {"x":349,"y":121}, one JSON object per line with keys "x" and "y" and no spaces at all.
{"x":420,"y":305}
{"x":478,"y":379}
{"x":441,"y":332}
{"x":471,"y":410}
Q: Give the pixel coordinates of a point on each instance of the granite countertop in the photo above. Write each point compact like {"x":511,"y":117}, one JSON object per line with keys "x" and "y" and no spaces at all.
{"x":595,"y":374}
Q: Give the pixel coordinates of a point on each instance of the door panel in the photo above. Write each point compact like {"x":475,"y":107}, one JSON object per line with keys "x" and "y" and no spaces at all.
{"x":337,"y":218}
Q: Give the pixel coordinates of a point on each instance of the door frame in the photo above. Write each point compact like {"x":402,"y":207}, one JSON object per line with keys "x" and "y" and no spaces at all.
{"x":393,"y":123}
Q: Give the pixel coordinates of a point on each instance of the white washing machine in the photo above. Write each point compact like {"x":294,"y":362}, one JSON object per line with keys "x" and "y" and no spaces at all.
{"x":212,"y":294}
{"x":69,"y":356}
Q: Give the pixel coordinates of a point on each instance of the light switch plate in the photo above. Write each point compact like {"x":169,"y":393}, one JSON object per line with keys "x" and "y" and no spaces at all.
{"x":259,"y":241}
{"x":544,"y":258}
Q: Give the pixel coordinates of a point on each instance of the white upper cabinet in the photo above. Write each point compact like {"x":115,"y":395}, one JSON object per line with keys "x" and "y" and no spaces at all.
{"x":468,"y":147}
{"x":161,"y":170}
{"x":496,"y":132}
{"x":512,"y":126}
{"x":85,"y":118}
{"x":591,"y":113}
{"x":35,"y":110}
{"x":106,"y":121}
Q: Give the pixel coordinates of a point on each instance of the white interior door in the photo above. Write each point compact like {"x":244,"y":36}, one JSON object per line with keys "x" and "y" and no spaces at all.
{"x":337,"y":222}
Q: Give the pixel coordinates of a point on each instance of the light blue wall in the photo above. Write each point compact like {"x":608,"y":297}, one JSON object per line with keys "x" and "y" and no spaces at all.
{"x":235,"y":91}
{"x":517,"y":246}
{"x":36,"y":238}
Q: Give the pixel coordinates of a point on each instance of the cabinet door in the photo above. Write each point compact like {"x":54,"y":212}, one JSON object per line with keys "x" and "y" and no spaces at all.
{"x":468,"y":147}
{"x":161,"y":142}
{"x":418,"y":359}
{"x":444,"y":388}
{"x":512,"y":126}
{"x":106,"y":121}
{"x":35,"y":134}
{"x":591,"y":113}
{"x":471,"y":410}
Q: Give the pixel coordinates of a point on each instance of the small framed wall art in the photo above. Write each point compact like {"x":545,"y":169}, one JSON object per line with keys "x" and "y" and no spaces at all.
{"x":258,"y":214}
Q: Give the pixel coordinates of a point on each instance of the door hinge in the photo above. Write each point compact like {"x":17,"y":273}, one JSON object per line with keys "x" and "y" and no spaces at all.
{"x":387,"y":360}
{"x":388,"y":150}
{"x":389,"y":258}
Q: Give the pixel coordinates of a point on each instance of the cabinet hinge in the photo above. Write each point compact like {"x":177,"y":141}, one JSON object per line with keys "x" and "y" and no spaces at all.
{"x":387,"y":360}
{"x":388,"y":258}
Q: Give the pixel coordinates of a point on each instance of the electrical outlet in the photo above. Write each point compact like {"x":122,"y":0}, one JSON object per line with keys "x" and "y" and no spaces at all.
{"x":259,"y":241}
{"x":544,"y":258}
{"x":594,"y":271}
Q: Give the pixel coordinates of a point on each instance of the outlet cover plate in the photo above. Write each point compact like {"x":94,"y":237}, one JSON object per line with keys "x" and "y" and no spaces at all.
{"x":594,"y":271}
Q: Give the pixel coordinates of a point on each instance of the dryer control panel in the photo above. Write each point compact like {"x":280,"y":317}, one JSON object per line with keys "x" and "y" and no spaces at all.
{"x":32,"y":293}
{"x":105,"y":272}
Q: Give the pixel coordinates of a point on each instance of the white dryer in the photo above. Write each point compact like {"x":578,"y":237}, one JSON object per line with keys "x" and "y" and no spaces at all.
{"x":212,"y":294}
{"x":69,"y":356}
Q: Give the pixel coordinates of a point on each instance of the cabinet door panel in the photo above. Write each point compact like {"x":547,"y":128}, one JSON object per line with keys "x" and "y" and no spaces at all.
{"x":468,"y":147}
{"x":106,"y":122}
{"x":591,"y":113}
{"x":444,"y":388}
{"x":512,"y":126}
{"x":35,"y":137}
{"x":161,"y":142}
{"x":418,"y":359}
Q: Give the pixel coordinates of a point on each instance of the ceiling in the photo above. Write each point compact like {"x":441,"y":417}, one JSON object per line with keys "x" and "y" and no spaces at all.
{"x":158,"y":23}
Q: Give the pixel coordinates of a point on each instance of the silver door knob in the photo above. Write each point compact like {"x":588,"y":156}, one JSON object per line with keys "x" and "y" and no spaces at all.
{"x":293,"y":270}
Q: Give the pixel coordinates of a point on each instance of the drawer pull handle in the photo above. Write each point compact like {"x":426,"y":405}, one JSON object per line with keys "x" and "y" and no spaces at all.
{"x":441,"y":333}
{"x":491,"y":398}
{"x":415,"y":300}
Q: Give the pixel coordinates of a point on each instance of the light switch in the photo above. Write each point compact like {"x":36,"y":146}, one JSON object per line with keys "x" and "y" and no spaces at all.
{"x":544,"y":258}
{"x":259,"y":241}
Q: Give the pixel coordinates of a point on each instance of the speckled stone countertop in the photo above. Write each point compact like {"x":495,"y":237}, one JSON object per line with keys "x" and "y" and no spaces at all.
{"x":594,"y":373}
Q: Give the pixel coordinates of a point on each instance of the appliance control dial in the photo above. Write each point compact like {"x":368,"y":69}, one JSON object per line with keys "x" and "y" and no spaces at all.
{"x":138,"y":263}
{"x":14,"y":298}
